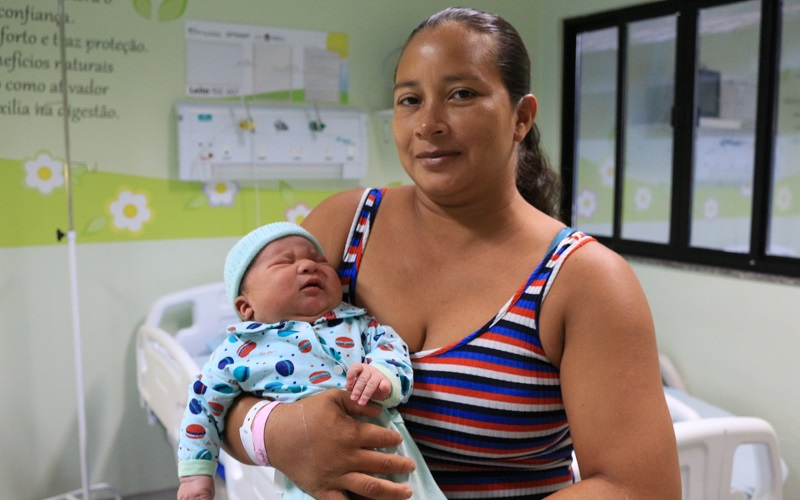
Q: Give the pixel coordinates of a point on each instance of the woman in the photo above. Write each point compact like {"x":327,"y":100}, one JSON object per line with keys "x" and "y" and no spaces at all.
{"x":502,"y":397}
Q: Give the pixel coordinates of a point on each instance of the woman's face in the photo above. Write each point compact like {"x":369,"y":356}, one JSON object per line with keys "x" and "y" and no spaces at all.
{"x":456,"y":130}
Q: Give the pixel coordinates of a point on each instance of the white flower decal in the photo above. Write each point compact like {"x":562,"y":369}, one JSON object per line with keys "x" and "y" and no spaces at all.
{"x":587,"y":203}
{"x":783,"y":199}
{"x":221,"y":193}
{"x":297,"y":213}
{"x":643,"y":198}
{"x":746,"y":190}
{"x":607,"y":171}
{"x":711,"y":208}
{"x":130,"y":211}
{"x":44,"y":173}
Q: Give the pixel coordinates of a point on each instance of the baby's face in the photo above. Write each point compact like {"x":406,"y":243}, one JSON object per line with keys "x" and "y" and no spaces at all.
{"x":288,"y":279}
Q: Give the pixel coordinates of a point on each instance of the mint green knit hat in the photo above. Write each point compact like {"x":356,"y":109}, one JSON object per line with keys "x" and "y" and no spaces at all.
{"x":246,"y":249}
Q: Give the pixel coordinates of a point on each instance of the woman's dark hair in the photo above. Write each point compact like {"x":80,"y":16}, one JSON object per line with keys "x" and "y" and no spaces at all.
{"x":536,"y":181}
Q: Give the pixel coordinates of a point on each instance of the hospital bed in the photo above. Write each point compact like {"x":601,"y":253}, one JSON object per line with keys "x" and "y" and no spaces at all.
{"x":722,"y":456}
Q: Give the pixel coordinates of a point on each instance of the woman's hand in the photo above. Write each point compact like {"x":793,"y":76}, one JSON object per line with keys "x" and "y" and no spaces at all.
{"x":325,"y":451}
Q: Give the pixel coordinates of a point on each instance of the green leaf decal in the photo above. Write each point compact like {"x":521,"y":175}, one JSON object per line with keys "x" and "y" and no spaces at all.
{"x":199,"y":201}
{"x":171,"y":10}
{"x":143,"y":7}
{"x":77,"y":170}
{"x":96,"y":225}
{"x":287,"y":193}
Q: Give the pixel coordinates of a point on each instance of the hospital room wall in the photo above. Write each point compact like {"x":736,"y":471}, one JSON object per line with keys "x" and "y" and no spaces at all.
{"x":731,"y":338}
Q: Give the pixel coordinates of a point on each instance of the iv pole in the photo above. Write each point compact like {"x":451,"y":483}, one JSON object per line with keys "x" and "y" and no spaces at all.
{"x":86,"y":488}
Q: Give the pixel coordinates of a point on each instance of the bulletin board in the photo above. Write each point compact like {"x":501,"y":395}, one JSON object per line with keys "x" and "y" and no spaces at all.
{"x":230,"y":60}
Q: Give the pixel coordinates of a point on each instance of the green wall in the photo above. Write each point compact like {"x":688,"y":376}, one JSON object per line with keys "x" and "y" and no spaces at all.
{"x":740,"y":360}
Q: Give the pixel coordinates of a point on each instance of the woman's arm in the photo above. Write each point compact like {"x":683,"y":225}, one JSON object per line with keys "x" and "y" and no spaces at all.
{"x":611,"y":385}
{"x":323,"y":450}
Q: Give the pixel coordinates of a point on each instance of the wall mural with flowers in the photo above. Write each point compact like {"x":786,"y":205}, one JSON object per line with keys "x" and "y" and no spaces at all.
{"x":119,"y":207}
{"x":125,"y":66}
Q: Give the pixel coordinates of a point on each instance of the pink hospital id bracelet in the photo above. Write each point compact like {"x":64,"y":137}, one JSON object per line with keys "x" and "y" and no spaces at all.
{"x":245,"y":431}
{"x":259,"y":424}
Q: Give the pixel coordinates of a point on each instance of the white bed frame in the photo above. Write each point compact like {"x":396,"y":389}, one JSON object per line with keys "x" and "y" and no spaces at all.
{"x":721,"y":456}
{"x":169,"y":359}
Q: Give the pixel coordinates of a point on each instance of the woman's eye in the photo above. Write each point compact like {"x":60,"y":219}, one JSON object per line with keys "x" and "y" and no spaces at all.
{"x":462,"y":94}
{"x":407,"y":101}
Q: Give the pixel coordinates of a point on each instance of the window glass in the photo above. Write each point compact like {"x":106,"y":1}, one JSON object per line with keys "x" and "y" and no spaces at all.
{"x":784,"y":237}
{"x":596,"y":110}
{"x":724,"y":146}
{"x":650,"y":84}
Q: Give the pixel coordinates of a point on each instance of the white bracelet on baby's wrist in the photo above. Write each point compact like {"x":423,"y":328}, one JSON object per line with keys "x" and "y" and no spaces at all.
{"x":246,"y":432}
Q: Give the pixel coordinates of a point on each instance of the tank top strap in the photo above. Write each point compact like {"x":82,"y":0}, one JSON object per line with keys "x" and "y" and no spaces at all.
{"x":528,"y":299}
{"x":559,"y":238}
{"x":566,"y":241}
{"x":357,"y":238}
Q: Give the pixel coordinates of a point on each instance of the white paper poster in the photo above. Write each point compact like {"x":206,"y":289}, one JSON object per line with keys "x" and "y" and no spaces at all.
{"x":230,"y":60}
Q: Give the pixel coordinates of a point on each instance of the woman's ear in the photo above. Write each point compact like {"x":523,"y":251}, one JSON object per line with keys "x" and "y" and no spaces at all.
{"x":243,"y":308}
{"x":526,"y":114}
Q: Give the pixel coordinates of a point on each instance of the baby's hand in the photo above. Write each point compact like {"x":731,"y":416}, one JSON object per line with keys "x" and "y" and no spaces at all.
{"x":196,"y":488}
{"x":366,"y":382}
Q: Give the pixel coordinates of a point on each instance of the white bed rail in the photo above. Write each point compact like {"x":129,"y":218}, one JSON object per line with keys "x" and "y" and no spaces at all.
{"x":163,"y":377}
{"x":166,"y":360}
{"x":708,"y":449}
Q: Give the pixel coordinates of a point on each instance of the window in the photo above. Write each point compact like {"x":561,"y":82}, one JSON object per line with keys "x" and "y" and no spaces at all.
{"x":681,"y":131}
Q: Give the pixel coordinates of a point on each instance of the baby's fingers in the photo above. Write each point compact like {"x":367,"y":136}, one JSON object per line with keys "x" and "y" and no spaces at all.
{"x":365,"y":387}
{"x":352,"y":375}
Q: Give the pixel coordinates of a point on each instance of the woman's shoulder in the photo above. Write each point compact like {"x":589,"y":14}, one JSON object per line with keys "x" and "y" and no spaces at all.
{"x":604,"y":286}
{"x":331,"y":219}
{"x":593,"y":270}
{"x":338,"y":203}
{"x":595,"y":256}
{"x":592,"y":263}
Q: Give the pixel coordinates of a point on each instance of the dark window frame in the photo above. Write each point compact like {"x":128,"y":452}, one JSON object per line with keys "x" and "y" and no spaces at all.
{"x":684,"y":120}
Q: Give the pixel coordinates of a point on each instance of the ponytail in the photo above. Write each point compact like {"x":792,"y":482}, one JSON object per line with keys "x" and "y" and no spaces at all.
{"x":539,"y":184}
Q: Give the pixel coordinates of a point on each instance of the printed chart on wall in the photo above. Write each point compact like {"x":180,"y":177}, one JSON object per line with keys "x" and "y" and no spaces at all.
{"x":234,"y":60}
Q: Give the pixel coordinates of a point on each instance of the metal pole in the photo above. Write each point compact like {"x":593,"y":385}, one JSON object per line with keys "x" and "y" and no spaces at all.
{"x":73,"y":268}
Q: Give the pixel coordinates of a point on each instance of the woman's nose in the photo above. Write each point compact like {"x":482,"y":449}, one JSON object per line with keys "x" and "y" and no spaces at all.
{"x":430,"y":122}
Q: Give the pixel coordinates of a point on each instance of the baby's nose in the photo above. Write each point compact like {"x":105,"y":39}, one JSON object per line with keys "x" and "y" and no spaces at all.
{"x":306,"y":266}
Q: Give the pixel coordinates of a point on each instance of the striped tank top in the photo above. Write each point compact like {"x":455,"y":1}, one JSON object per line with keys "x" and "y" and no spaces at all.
{"x":486,"y":412}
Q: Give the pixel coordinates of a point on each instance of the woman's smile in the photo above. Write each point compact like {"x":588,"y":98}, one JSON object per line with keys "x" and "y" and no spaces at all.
{"x":437,"y":157}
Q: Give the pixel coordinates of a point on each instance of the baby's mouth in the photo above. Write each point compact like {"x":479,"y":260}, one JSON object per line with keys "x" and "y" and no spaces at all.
{"x":313,"y":283}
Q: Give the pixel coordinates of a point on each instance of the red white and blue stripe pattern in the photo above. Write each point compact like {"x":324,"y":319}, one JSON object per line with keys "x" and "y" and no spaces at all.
{"x":359,"y":233}
{"x":487,"y":412}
